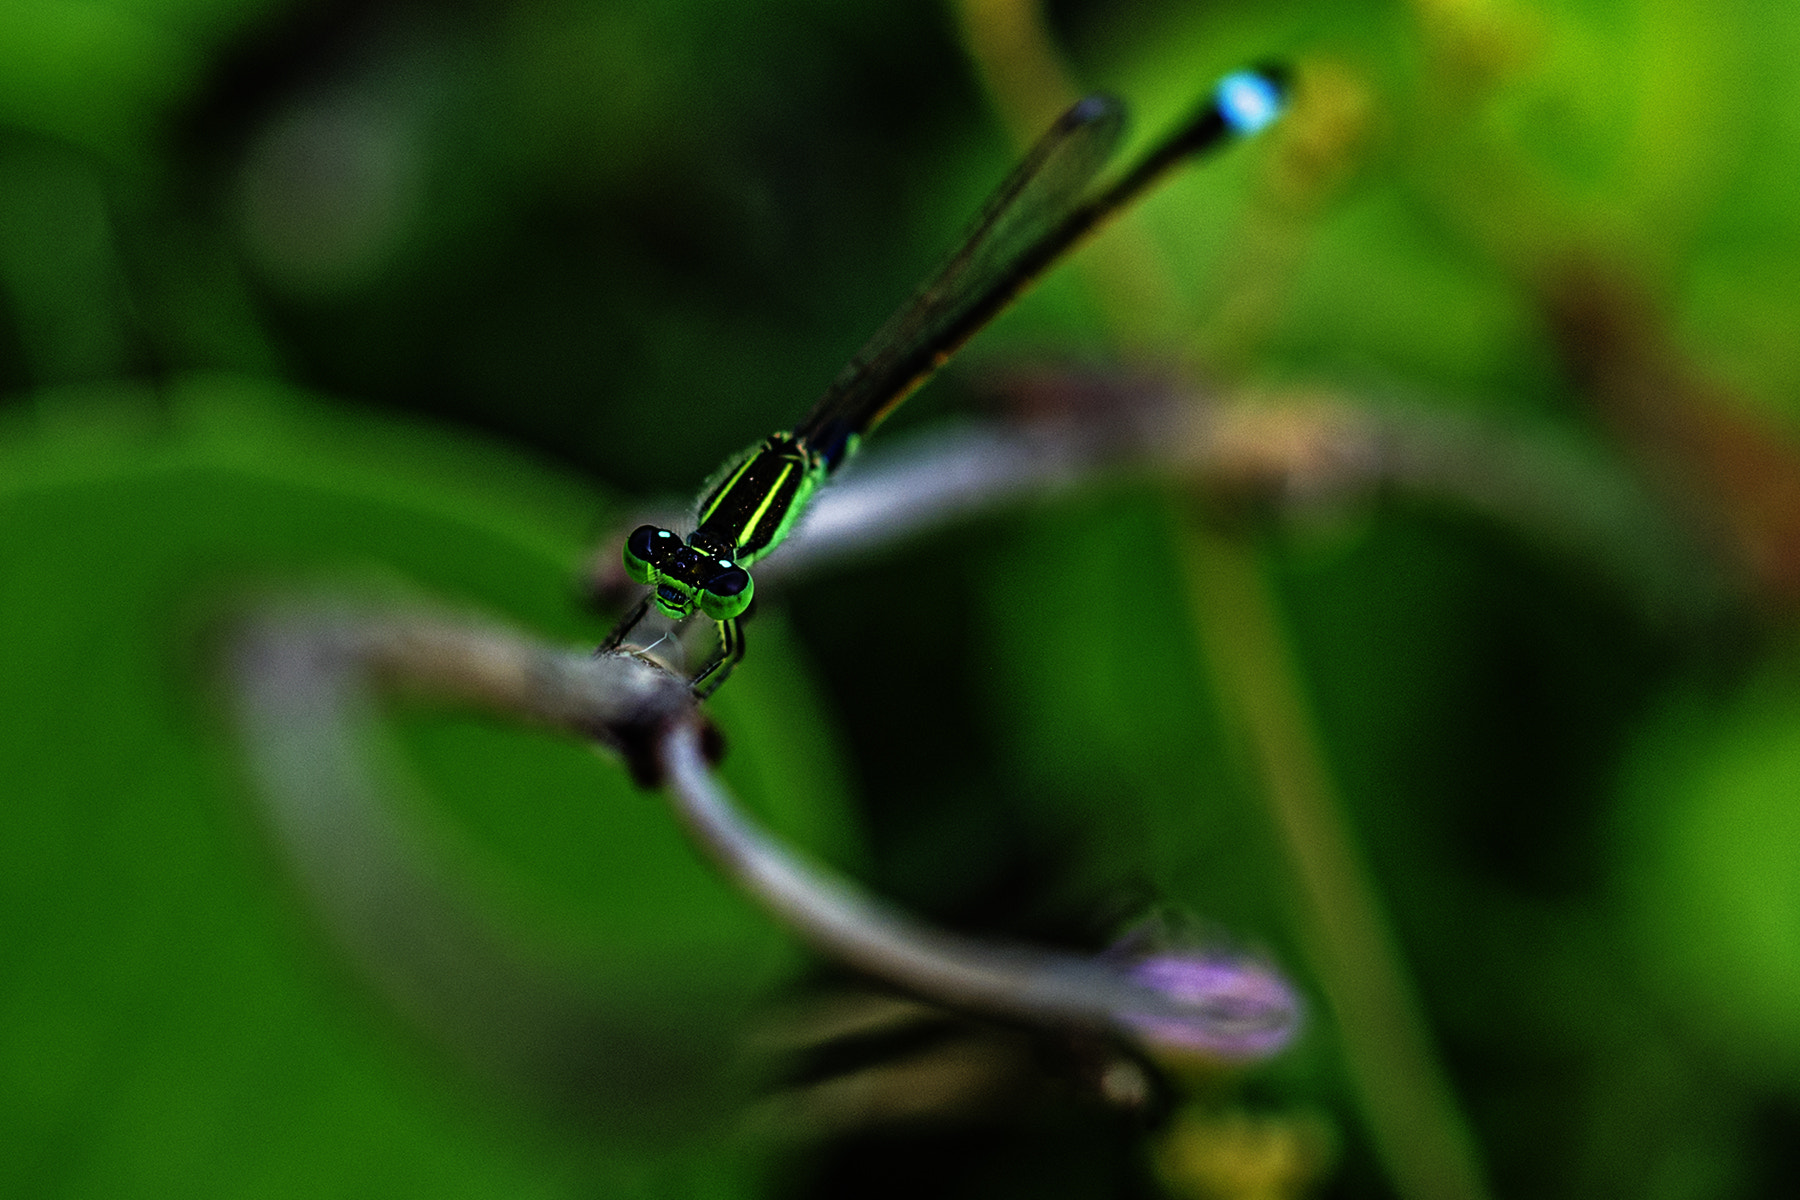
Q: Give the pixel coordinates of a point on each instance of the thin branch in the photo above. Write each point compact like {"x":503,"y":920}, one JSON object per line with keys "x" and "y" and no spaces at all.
{"x":1296,"y":451}
{"x":1234,"y":1008}
{"x":300,"y":678}
{"x":1411,"y":1108}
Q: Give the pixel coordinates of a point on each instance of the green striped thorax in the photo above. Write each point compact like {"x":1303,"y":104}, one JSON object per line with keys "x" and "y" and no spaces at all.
{"x":747,"y":510}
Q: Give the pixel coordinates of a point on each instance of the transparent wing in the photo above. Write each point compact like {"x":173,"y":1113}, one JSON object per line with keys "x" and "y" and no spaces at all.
{"x":1003,"y":251}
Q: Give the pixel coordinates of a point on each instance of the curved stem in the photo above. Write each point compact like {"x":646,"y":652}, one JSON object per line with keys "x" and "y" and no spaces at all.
{"x":301,"y":673}
{"x":1546,"y":484}
{"x":1245,"y":1011}
{"x":393,"y":905}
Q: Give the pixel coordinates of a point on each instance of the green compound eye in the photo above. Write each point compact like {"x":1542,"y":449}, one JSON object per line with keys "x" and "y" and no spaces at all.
{"x":727,"y":594}
{"x":643,"y":549}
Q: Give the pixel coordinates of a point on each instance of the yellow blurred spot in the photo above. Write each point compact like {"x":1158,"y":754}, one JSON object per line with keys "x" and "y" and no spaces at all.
{"x":1237,"y":1156}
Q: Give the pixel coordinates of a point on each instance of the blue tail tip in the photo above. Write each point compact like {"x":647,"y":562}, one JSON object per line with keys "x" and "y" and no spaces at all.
{"x":1251,"y":99}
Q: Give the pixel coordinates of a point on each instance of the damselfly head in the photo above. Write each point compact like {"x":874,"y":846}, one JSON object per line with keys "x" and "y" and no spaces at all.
{"x":683,"y":577}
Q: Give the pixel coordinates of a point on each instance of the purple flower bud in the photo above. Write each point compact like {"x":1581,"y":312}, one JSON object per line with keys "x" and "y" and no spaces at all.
{"x":1241,"y":1009}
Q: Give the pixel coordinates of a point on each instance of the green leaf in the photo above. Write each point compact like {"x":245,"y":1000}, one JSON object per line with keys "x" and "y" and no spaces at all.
{"x":176,"y":1019}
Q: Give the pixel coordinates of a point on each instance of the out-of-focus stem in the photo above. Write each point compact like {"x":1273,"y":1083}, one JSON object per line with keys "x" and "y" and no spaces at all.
{"x":1232,"y":1008}
{"x":1312,"y":451}
{"x":1407,"y":1102}
{"x":302,"y":677}
{"x":1411,"y":1112}
{"x":1019,"y":63}
{"x":1020,"y":67}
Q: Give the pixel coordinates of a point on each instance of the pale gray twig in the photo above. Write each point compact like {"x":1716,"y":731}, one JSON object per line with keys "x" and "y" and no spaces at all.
{"x":300,"y":679}
{"x":1230,"y":1006}
{"x":1294,"y":452}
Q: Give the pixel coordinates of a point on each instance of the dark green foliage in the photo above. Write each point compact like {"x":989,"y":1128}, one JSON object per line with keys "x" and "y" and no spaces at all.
{"x":304,"y":298}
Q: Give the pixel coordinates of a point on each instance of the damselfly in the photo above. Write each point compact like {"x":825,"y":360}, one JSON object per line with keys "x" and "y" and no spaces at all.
{"x":1043,"y":209}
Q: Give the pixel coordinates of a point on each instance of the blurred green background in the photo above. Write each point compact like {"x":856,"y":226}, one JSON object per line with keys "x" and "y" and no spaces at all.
{"x":414,"y":299}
